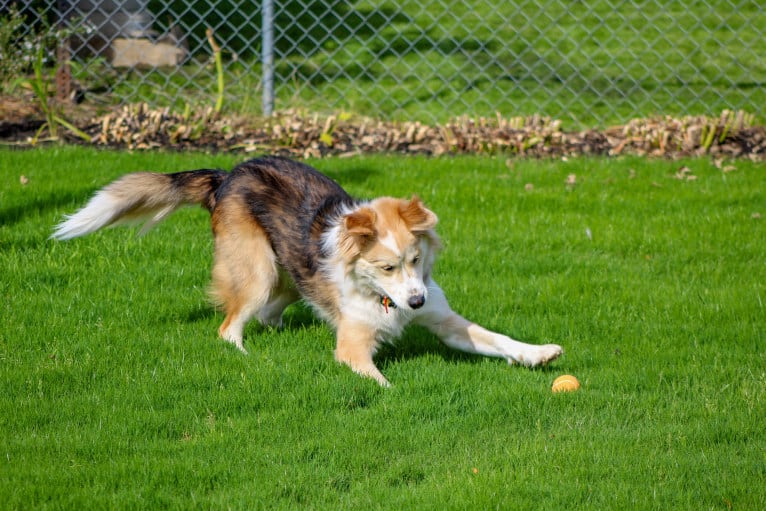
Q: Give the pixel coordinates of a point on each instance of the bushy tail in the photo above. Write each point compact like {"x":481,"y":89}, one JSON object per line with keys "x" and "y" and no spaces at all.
{"x":143,"y":197}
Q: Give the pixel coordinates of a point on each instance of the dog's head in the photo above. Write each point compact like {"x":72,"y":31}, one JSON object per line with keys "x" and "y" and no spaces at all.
{"x":389,"y":246}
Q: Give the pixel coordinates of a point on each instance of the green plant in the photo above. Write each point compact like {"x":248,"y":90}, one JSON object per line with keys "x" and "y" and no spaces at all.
{"x":218,"y":68}
{"x":21,"y":53}
{"x":40,"y":84}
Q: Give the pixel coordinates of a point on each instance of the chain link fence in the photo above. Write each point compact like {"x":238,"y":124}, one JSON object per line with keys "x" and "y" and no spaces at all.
{"x":591,"y":62}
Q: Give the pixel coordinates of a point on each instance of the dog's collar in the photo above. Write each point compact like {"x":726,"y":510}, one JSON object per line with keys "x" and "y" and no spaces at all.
{"x":387,"y":303}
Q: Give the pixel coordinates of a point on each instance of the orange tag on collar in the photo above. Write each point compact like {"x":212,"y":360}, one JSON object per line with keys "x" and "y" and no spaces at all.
{"x":386,"y":302}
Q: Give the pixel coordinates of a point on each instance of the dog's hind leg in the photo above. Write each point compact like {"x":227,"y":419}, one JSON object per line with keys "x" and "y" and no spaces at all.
{"x":244,"y":271}
{"x":282,"y":295}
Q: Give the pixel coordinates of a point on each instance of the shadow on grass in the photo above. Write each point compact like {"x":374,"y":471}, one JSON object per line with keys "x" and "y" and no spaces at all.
{"x":16,"y":213}
{"x":350,"y":176}
{"x":200,"y":313}
{"x":416,"y":342}
{"x":298,"y":315}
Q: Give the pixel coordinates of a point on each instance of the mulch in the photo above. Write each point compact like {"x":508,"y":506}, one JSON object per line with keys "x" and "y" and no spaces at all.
{"x":141,"y":127}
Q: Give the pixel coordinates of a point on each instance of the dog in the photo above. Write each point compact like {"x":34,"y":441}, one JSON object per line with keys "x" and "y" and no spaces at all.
{"x":283,"y":232}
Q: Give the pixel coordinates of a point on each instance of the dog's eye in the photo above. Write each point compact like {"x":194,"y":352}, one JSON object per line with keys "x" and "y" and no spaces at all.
{"x":387,"y":268}
{"x":416,"y":259}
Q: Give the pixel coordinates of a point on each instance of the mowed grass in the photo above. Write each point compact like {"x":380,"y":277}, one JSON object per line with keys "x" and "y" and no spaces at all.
{"x":116,"y":393}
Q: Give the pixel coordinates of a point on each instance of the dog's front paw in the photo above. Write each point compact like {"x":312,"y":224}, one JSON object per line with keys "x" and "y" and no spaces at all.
{"x":549,"y":352}
{"x":537,"y":355}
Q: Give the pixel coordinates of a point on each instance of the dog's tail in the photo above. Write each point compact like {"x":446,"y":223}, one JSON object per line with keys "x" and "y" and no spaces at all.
{"x":142,"y":197}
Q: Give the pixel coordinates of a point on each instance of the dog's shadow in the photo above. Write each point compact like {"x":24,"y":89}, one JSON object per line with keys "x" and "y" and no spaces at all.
{"x":296,"y":316}
{"x":356,"y":175}
{"x":416,"y":342}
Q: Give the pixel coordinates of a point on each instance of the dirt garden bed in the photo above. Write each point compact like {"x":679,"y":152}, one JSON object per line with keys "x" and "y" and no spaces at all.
{"x":136,"y":127}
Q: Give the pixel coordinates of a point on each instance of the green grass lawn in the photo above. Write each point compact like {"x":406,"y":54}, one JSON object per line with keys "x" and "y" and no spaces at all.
{"x":116,"y":393}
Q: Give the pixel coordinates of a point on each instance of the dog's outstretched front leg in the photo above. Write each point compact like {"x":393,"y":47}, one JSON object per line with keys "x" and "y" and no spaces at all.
{"x":355,"y":347}
{"x":457,"y":332}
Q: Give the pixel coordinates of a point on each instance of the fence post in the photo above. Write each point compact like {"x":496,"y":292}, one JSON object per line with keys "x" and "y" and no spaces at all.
{"x":267,"y":56}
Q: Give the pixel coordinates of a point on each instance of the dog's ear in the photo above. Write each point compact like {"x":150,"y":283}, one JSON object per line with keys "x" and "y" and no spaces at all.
{"x":360,"y":223}
{"x":358,"y":229}
{"x":416,"y":216}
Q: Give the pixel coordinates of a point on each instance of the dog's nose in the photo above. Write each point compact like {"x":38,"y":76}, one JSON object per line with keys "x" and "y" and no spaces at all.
{"x":416,"y":301}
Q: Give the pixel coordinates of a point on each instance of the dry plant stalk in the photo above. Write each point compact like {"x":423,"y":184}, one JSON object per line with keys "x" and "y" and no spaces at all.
{"x":731,"y":135}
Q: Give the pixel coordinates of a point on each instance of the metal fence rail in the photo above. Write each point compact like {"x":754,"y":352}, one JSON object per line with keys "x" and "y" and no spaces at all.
{"x":589,"y":61}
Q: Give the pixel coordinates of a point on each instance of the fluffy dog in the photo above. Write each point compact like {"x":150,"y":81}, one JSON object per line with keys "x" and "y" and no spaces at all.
{"x":283,"y":231}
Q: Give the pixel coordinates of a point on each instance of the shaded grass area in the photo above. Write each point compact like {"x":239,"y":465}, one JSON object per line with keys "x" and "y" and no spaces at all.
{"x":589,"y":65}
{"x":115,"y":392}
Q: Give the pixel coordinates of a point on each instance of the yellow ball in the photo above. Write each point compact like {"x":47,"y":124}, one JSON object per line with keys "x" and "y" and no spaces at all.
{"x":565,"y":383}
